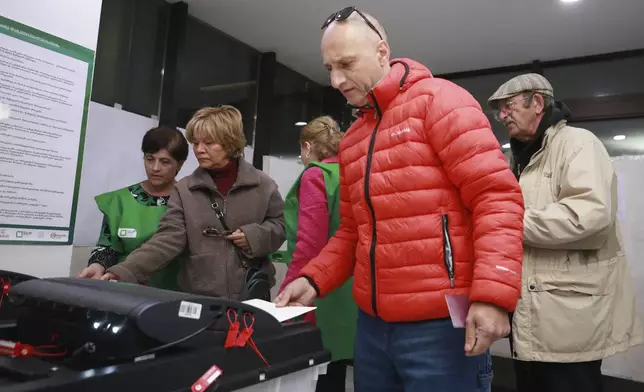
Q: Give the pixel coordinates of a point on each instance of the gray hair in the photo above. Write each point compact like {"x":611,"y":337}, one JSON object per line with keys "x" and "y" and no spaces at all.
{"x":548,"y":101}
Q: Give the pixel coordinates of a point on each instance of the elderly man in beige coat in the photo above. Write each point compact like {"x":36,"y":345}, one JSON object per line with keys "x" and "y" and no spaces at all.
{"x":577,"y":305}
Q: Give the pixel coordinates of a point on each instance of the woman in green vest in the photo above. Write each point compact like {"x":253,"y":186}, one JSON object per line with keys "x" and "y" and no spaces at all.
{"x":311,"y":213}
{"x":131,"y":215}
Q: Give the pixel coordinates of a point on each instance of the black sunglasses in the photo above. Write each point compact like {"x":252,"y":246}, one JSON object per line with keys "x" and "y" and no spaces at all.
{"x":345,"y":13}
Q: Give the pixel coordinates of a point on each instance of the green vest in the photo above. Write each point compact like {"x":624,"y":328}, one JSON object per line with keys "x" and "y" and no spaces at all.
{"x":336,"y":314}
{"x":131,"y":225}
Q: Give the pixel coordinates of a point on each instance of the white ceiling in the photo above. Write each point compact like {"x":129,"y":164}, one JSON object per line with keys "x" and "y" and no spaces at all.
{"x":448,"y":35}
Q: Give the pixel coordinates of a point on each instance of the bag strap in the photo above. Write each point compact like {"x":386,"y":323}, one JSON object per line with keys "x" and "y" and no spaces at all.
{"x":246,"y":263}
{"x":219,"y":214}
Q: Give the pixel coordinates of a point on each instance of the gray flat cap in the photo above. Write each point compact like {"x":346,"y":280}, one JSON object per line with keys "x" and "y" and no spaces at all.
{"x":522,"y":83}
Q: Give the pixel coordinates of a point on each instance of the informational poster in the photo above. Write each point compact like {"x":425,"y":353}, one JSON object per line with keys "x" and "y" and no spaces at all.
{"x":45,"y":86}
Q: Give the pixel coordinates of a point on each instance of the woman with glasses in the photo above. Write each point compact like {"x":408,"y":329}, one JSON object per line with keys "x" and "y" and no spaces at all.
{"x":311,"y":212}
{"x":226,"y":218}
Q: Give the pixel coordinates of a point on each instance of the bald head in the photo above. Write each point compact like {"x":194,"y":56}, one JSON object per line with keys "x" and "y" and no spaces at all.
{"x":355,"y":55}
{"x":358,"y":21}
{"x":357,"y":27}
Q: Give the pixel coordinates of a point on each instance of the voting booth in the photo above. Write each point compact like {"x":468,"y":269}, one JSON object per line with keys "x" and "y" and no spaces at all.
{"x":66,"y":334}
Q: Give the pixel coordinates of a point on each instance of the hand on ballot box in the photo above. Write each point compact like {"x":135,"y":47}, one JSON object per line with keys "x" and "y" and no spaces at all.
{"x":110,"y":276}
{"x":297,"y":293}
{"x":92,"y":271}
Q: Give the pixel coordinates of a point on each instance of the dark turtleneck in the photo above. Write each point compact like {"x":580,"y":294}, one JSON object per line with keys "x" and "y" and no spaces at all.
{"x":523,"y":151}
{"x":226,"y":176}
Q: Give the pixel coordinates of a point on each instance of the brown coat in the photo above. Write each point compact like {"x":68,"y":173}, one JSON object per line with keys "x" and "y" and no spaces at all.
{"x":212,"y":265}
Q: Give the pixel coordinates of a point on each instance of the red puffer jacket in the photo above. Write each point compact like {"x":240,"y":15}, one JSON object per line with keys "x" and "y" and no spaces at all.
{"x":423,"y":185}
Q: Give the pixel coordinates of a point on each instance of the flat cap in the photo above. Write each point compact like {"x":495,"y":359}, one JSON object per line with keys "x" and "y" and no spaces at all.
{"x":522,"y":83}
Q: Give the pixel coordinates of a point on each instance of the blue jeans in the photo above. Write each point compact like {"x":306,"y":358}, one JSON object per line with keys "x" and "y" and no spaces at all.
{"x":425,"y":356}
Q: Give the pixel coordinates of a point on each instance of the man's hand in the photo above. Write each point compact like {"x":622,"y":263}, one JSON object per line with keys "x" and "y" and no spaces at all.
{"x":92,"y":271}
{"x":485,"y":324}
{"x":239,"y":239}
{"x":110,"y":276}
{"x":297,"y":293}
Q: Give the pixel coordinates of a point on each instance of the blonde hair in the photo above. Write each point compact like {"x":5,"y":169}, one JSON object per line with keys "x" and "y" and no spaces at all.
{"x":223,"y":125}
{"x":324,"y":135}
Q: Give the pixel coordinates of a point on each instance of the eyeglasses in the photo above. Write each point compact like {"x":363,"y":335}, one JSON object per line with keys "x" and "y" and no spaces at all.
{"x":344,"y":14}
{"x":510,"y":105}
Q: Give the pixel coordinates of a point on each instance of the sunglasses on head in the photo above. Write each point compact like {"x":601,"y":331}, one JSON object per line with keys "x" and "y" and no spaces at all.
{"x":344,"y":14}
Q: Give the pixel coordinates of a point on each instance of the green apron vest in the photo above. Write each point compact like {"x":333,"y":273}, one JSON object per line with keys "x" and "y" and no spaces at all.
{"x":336,"y":314}
{"x":131,"y":225}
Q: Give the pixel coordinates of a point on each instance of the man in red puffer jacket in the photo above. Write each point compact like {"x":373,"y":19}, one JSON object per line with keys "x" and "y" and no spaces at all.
{"x":429,"y":208}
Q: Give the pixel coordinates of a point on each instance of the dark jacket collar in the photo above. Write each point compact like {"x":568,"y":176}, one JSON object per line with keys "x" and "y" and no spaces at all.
{"x":522,"y":152}
{"x":403,"y":74}
{"x":247,"y":176}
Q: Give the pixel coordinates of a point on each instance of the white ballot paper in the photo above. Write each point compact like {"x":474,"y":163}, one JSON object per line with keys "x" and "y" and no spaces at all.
{"x":281,"y":314}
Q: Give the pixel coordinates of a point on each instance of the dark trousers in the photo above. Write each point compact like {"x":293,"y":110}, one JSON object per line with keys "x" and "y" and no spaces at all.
{"x":426,"y":356}
{"x":558,"y":377}
{"x":335,"y":378}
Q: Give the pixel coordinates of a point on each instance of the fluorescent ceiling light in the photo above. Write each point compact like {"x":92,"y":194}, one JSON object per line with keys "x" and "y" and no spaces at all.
{"x":506,"y":146}
{"x":300,"y":123}
{"x":569,"y":1}
{"x":619,"y":137}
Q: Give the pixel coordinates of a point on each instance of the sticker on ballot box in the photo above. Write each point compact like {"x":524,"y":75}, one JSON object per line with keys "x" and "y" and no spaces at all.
{"x":190,"y":310}
{"x":207,"y":379}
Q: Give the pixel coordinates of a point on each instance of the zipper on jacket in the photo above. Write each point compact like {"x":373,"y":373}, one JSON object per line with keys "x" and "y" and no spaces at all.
{"x":367,"y":195}
{"x":448,"y":255}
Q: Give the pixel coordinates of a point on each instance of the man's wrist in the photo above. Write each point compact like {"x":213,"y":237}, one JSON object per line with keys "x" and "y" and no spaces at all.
{"x":313,"y":284}
{"x":500,"y":308}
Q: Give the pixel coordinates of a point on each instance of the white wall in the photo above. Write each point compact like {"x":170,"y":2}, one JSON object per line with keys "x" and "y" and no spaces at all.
{"x":76,"y":21}
{"x":283,"y":170}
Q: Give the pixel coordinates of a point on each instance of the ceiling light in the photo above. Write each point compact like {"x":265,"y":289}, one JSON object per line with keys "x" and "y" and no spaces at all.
{"x":619,"y":137}
{"x":300,"y":123}
{"x":569,"y":1}
{"x":506,"y":146}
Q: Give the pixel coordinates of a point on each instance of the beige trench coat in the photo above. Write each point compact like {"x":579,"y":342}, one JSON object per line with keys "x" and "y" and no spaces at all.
{"x":577,"y":303}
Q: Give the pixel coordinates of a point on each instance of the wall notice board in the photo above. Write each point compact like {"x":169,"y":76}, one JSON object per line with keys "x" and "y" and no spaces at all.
{"x":44,"y":93}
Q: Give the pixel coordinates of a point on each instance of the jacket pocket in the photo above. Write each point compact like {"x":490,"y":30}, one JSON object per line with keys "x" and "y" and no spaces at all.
{"x":582,"y":276}
{"x":572,"y":310}
{"x":207,"y":274}
{"x":448,"y":252}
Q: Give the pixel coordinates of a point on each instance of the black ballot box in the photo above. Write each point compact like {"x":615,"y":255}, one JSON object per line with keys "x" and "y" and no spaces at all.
{"x":8,"y":311}
{"x":85,"y":335}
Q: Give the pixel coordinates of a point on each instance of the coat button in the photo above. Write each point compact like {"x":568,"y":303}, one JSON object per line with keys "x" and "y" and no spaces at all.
{"x":532,"y":287}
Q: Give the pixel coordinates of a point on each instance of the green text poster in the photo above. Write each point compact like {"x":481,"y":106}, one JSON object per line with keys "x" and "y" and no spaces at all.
{"x":45,"y":86}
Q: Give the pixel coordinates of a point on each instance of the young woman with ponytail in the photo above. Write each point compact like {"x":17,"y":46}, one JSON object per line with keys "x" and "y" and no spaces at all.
{"x":311,"y":213}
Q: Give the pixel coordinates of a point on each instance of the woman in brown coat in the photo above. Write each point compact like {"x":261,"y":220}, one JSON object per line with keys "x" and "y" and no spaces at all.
{"x":226,"y":217}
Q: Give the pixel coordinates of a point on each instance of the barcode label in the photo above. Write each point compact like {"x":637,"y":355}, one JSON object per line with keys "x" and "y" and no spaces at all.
{"x":190,"y":310}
